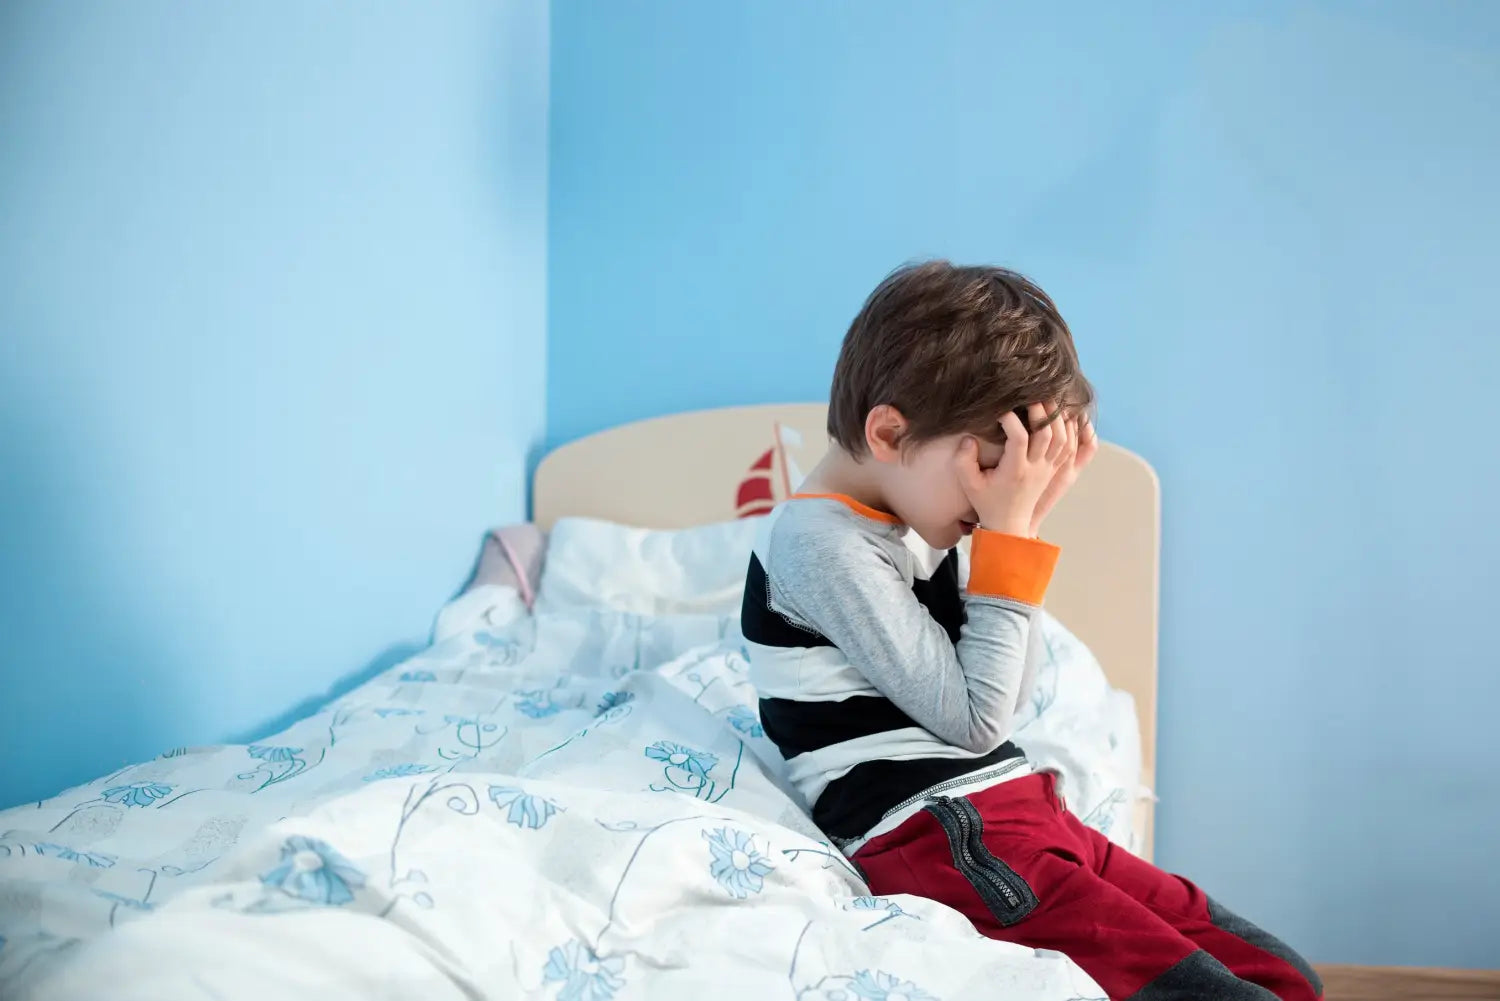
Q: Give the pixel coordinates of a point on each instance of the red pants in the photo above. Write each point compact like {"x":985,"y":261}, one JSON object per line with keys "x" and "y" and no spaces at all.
{"x":1023,"y":869}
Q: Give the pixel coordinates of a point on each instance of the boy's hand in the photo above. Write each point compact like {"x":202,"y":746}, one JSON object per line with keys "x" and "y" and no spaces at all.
{"x":1005,"y":498}
{"x":1082,"y":445}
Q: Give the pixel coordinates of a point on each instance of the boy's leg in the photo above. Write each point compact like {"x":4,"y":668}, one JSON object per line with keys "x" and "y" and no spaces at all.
{"x":1058,"y":904}
{"x":1131,"y":952}
{"x":1249,"y":952}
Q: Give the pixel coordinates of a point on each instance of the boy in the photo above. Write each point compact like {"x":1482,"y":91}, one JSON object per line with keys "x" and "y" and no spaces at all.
{"x":958,"y":408}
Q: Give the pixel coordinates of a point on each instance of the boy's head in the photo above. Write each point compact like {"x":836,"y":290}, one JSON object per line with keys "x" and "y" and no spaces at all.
{"x":936,"y":354}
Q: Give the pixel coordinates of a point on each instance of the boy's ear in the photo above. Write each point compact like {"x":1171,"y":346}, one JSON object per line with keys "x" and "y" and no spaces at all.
{"x":885,"y":429}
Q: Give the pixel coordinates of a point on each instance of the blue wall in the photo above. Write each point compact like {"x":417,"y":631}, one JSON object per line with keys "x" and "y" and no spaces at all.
{"x":271,"y":353}
{"x":1273,"y":229}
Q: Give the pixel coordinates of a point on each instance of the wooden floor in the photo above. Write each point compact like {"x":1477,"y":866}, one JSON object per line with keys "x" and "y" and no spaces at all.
{"x":1404,"y":983}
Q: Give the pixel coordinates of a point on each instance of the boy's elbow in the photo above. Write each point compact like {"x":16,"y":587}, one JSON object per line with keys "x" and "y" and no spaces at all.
{"x":984,"y":736}
{"x":978,"y":746}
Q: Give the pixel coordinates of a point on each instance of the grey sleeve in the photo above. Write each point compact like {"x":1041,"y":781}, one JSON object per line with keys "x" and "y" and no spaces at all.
{"x":1036,"y":650}
{"x":850,"y":590}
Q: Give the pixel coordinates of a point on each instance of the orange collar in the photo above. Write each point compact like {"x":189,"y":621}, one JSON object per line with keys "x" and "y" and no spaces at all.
{"x":864,"y":510}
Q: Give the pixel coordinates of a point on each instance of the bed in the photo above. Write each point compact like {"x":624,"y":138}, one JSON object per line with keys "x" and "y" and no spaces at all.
{"x":573,"y":799}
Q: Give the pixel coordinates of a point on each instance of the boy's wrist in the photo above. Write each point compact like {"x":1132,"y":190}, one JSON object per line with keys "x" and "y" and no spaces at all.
{"x":1008,"y":525}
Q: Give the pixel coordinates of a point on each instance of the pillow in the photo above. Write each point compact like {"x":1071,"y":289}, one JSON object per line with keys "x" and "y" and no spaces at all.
{"x":595,"y":564}
{"x":511,"y":556}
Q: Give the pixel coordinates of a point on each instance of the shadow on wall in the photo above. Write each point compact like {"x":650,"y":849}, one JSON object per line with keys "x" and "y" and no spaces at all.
{"x":388,"y":659}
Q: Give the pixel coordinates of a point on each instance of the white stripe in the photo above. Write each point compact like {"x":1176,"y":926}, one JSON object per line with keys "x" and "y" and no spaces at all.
{"x":773,"y":670}
{"x":808,"y":674}
{"x":812,"y":771}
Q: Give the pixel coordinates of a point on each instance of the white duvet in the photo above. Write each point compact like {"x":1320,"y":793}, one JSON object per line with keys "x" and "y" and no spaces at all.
{"x":576,"y":805}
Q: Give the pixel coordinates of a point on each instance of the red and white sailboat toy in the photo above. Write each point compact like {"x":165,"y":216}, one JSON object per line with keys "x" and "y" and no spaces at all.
{"x":773,"y":477}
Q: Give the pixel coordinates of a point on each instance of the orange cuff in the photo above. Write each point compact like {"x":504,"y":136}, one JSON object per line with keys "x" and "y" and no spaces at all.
{"x":1008,"y":566}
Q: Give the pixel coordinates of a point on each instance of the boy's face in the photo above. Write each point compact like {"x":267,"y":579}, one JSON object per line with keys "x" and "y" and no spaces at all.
{"x":923,"y":489}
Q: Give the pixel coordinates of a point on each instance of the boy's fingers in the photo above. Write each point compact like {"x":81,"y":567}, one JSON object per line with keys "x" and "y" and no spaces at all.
{"x":1070,"y":441}
{"x":1061,"y":438}
{"x":1086,"y":434}
{"x":1015,"y":432}
{"x":1041,"y":431}
{"x":969,"y":473}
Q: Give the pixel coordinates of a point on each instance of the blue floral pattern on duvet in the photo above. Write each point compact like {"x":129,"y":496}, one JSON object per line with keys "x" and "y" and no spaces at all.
{"x":687,"y":769}
{"x":691,"y":762}
{"x":613,"y":700}
{"x":584,"y":976}
{"x":743,"y":719}
{"x":313,"y":871}
{"x":865,"y":985}
{"x":137,"y":793}
{"x":739,"y":868}
{"x":537,"y":703}
{"x":399,"y":771}
{"x":278,"y":763}
{"x":890,"y":908}
{"x":269,"y":753}
{"x":94,"y":860}
{"x":877,"y":985}
{"x":386,"y":712}
{"x":526,"y":810}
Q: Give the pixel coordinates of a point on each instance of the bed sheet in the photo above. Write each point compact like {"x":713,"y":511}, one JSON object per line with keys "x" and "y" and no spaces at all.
{"x":576,"y":805}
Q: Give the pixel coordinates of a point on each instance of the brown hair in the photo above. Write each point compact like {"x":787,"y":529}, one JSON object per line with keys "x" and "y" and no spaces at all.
{"x":952,"y":348}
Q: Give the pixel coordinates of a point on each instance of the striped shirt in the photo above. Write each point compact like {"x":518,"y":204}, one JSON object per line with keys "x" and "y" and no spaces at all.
{"x":880,"y":676}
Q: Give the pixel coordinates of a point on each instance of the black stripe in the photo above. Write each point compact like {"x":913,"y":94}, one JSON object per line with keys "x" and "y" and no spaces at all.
{"x":760,"y":623}
{"x":855,"y":802}
{"x":941,"y":595}
{"x":797,"y":726}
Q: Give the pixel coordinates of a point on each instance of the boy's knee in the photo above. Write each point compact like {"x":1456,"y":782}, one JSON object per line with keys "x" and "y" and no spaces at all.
{"x":1198,"y":976}
{"x":1227,"y":921}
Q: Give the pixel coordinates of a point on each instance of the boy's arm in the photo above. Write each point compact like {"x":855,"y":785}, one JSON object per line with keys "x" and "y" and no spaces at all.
{"x":966,"y":693}
{"x":1036,"y":648}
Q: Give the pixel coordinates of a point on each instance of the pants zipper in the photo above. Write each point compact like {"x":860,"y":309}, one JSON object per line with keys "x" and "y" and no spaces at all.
{"x":979,"y":866}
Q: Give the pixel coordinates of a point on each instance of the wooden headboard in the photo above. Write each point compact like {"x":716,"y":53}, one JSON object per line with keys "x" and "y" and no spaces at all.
{"x":714,"y":465}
